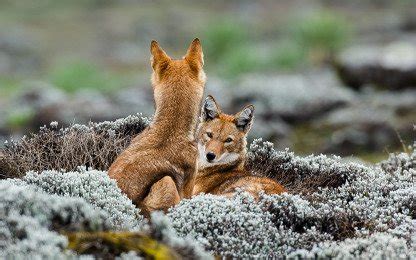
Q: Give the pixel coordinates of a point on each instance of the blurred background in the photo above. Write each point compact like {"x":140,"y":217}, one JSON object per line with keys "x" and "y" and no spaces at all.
{"x":325,"y":76}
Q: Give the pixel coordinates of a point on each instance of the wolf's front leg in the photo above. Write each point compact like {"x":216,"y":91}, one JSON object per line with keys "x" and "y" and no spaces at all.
{"x":162,"y":196}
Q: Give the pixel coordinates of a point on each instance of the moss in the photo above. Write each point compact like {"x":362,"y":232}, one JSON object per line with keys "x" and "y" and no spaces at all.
{"x":111,"y":244}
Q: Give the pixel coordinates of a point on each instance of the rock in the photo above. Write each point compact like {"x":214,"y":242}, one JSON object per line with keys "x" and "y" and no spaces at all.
{"x":293,"y":98}
{"x":88,"y":105}
{"x":373,"y":123}
{"x":43,"y":101}
{"x":221,"y":91}
{"x":409,"y":22}
{"x":135,"y":100}
{"x":17,"y":52}
{"x":392,"y":66}
{"x":275,"y":130}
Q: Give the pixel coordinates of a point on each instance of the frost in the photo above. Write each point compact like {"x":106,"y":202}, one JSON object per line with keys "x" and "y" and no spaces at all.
{"x":27,"y":215}
{"x":369,"y":210}
{"x":34,"y":209}
{"x":161,"y":228}
{"x":96,"y":188}
{"x":332,"y":209}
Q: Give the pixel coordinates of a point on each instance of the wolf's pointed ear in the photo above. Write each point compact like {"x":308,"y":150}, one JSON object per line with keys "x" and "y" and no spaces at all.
{"x":210,"y":109}
{"x":244,"y":118}
{"x":194,"y":55}
{"x":159,"y":57}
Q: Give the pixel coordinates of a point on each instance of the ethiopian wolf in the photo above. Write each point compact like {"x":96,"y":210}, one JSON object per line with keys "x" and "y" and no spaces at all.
{"x":222,"y":141}
{"x":158,"y":168}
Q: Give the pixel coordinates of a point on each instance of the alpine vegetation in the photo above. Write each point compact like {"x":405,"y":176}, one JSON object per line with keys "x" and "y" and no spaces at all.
{"x":27,"y":217}
{"x":38,"y":210}
{"x":369,"y":207}
{"x":300,"y":174}
{"x":332,"y":209}
{"x":96,"y":188}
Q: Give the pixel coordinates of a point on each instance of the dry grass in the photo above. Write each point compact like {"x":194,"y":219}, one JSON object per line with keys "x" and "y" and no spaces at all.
{"x":293,"y":178}
{"x":93,"y":146}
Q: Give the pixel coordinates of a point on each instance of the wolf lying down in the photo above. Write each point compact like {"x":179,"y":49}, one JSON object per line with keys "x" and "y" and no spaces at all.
{"x":222,"y":141}
{"x":160,"y":166}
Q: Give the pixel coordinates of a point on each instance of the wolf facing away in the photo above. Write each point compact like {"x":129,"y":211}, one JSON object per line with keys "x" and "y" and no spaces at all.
{"x":222,"y":141}
{"x":158,"y":168}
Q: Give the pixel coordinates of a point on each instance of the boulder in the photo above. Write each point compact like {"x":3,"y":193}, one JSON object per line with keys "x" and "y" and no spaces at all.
{"x":293,"y":98}
{"x":391,"y":66}
{"x":374,"y":123}
{"x":17,"y":52}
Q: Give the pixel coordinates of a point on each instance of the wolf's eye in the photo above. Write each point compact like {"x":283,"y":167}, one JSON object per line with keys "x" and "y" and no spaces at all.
{"x":209,"y":134}
{"x":228,"y":140}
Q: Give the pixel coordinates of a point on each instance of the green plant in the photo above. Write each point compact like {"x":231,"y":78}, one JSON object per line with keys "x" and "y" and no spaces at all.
{"x":237,"y":61}
{"x":83,"y":75}
{"x":222,"y":37}
{"x":8,"y":87}
{"x":19,"y":118}
{"x":322,"y":33}
{"x":288,"y":55}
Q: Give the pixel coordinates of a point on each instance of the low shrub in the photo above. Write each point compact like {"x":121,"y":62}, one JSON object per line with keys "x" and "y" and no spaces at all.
{"x":332,"y":209}
{"x":300,"y":174}
{"x":95,"y":145}
{"x":96,"y":188}
{"x":371,"y":207}
{"x":39,"y":211}
{"x":27,"y":216}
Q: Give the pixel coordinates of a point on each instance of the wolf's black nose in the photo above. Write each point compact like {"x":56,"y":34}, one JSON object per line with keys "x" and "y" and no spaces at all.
{"x":210,"y":156}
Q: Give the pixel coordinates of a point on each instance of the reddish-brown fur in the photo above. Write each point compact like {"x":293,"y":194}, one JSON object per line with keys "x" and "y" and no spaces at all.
{"x":222,"y":177}
{"x":159,"y":166}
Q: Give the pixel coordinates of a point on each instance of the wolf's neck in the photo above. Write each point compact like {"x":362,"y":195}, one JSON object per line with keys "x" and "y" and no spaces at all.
{"x":208,"y":179}
{"x":206,"y":169}
{"x":177,"y":110}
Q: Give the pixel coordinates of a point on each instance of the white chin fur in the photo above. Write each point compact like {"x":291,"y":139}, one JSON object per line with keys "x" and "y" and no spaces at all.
{"x":225,"y":158}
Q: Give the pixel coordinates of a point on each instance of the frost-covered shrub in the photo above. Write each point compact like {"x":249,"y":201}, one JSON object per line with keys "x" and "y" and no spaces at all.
{"x":95,"y":145}
{"x":365,"y":201}
{"x":377,"y":246}
{"x":162,"y":230}
{"x":236,"y":227}
{"x":35,"y":208}
{"x":333,"y":209}
{"x":400,"y":162}
{"x":300,"y":174}
{"x":240,"y":227}
{"x":28,"y":215}
{"x":93,"y":186}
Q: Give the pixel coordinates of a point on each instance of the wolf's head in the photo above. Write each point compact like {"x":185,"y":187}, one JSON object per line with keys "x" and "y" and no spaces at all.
{"x":188,"y":70}
{"x":222,"y":138}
